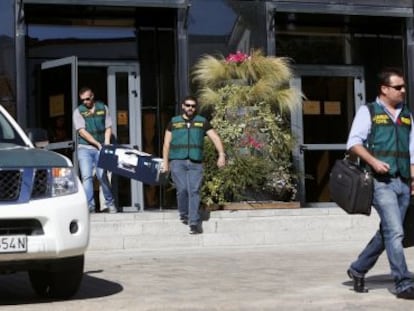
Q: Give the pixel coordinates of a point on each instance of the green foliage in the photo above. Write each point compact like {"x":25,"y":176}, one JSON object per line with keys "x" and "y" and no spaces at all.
{"x":249,"y":100}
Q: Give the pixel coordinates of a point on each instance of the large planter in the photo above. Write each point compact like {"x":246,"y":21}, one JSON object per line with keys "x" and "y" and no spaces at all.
{"x":248,"y":98}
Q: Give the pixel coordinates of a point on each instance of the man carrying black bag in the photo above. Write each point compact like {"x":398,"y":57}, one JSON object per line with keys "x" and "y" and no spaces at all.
{"x":382,"y":136}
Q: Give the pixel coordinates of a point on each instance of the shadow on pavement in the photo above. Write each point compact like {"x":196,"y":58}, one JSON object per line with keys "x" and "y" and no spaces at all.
{"x":15,"y":289}
{"x":375,"y":282}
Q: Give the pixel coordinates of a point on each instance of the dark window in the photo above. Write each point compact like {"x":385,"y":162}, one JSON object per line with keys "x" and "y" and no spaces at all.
{"x":7,"y":57}
{"x":327,"y":39}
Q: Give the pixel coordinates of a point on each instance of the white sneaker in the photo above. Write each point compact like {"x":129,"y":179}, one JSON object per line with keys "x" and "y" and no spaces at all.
{"x":111,"y":209}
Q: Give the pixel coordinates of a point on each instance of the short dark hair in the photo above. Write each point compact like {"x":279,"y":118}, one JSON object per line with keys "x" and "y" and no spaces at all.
{"x":84,"y":89}
{"x":384,"y":75}
{"x":190,"y":97}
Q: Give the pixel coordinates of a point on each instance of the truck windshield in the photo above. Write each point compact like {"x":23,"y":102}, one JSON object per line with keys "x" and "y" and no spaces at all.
{"x":8,"y":134}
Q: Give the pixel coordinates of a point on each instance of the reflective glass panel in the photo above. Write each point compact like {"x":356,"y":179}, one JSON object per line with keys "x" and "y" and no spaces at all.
{"x":328,"y":107}
{"x":55,"y":31}
{"x":7,"y":56}
{"x":122,"y":115}
{"x":208,"y":35}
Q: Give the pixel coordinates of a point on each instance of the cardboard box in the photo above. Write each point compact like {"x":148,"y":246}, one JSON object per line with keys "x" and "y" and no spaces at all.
{"x":131,"y":163}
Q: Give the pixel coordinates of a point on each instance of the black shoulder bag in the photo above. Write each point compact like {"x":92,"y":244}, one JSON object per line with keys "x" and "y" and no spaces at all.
{"x":350,"y":186}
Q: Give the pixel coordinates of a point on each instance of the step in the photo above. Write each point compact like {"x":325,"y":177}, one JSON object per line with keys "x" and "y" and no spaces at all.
{"x":259,"y":227}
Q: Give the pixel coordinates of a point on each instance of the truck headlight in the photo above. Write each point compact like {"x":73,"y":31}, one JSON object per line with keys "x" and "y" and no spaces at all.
{"x":63,"y":181}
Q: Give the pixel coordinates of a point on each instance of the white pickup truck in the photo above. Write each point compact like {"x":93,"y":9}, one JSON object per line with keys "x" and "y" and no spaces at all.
{"x":44,"y":219}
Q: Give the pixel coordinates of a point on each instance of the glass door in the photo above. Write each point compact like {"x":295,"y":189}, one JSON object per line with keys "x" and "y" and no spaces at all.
{"x":59,"y":98}
{"x":117,"y":85}
{"x":125,"y":107}
{"x":332,"y":96}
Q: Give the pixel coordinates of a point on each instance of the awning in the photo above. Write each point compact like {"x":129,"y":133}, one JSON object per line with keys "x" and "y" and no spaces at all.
{"x":132,"y":3}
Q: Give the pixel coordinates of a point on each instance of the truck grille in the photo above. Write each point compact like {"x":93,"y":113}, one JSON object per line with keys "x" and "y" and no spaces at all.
{"x":20,"y":226}
{"x":40,"y":184}
{"x":14,"y":182}
{"x":10,"y":184}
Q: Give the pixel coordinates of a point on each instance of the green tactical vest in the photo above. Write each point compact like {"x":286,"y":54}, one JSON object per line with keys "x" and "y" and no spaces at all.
{"x":389,"y":141}
{"x":94,"y":123}
{"x":187,"y":142}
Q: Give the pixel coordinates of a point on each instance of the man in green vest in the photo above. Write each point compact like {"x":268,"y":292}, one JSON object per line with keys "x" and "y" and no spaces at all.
{"x":382,"y":137}
{"x":183,"y":155}
{"x":94,"y":128}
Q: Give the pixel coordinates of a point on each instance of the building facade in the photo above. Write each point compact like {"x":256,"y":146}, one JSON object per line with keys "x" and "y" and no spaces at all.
{"x":137,"y":55}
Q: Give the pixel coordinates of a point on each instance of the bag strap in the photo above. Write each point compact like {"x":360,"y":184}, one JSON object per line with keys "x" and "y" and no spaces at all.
{"x":370,"y":140}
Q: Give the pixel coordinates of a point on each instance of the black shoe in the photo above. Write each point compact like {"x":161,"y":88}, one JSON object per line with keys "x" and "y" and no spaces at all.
{"x":184,"y":221}
{"x":407,"y":293}
{"x":195,"y":229}
{"x":359,"y":282}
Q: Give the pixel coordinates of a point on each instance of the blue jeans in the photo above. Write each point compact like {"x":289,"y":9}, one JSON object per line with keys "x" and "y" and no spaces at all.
{"x":391,"y":201}
{"x":88,"y":160}
{"x":187,"y":177}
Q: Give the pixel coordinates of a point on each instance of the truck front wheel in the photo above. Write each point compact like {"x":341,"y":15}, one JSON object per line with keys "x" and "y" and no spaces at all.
{"x":61,"y":280}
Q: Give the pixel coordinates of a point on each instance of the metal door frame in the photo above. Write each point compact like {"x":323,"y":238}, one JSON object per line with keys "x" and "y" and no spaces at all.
{"x":135,"y":117}
{"x":73,"y":62}
{"x":297,"y":117}
{"x":135,"y":129}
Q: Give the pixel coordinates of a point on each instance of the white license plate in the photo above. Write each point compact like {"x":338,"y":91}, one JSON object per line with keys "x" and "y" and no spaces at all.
{"x":13,"y":244}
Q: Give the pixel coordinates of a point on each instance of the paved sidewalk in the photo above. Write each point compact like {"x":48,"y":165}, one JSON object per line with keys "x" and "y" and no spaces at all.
{"x":300,"y":277}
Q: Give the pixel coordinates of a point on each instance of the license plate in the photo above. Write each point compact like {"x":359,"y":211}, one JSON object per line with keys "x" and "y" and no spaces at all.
{"x":13,"y":244}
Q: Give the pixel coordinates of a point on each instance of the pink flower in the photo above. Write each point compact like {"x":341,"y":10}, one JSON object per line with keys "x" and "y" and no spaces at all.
{"x":250,"y":141}
{"x":238,"y":58}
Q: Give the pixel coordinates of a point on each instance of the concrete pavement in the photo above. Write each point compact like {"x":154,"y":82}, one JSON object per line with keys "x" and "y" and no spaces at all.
{"x":297,"y":277}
